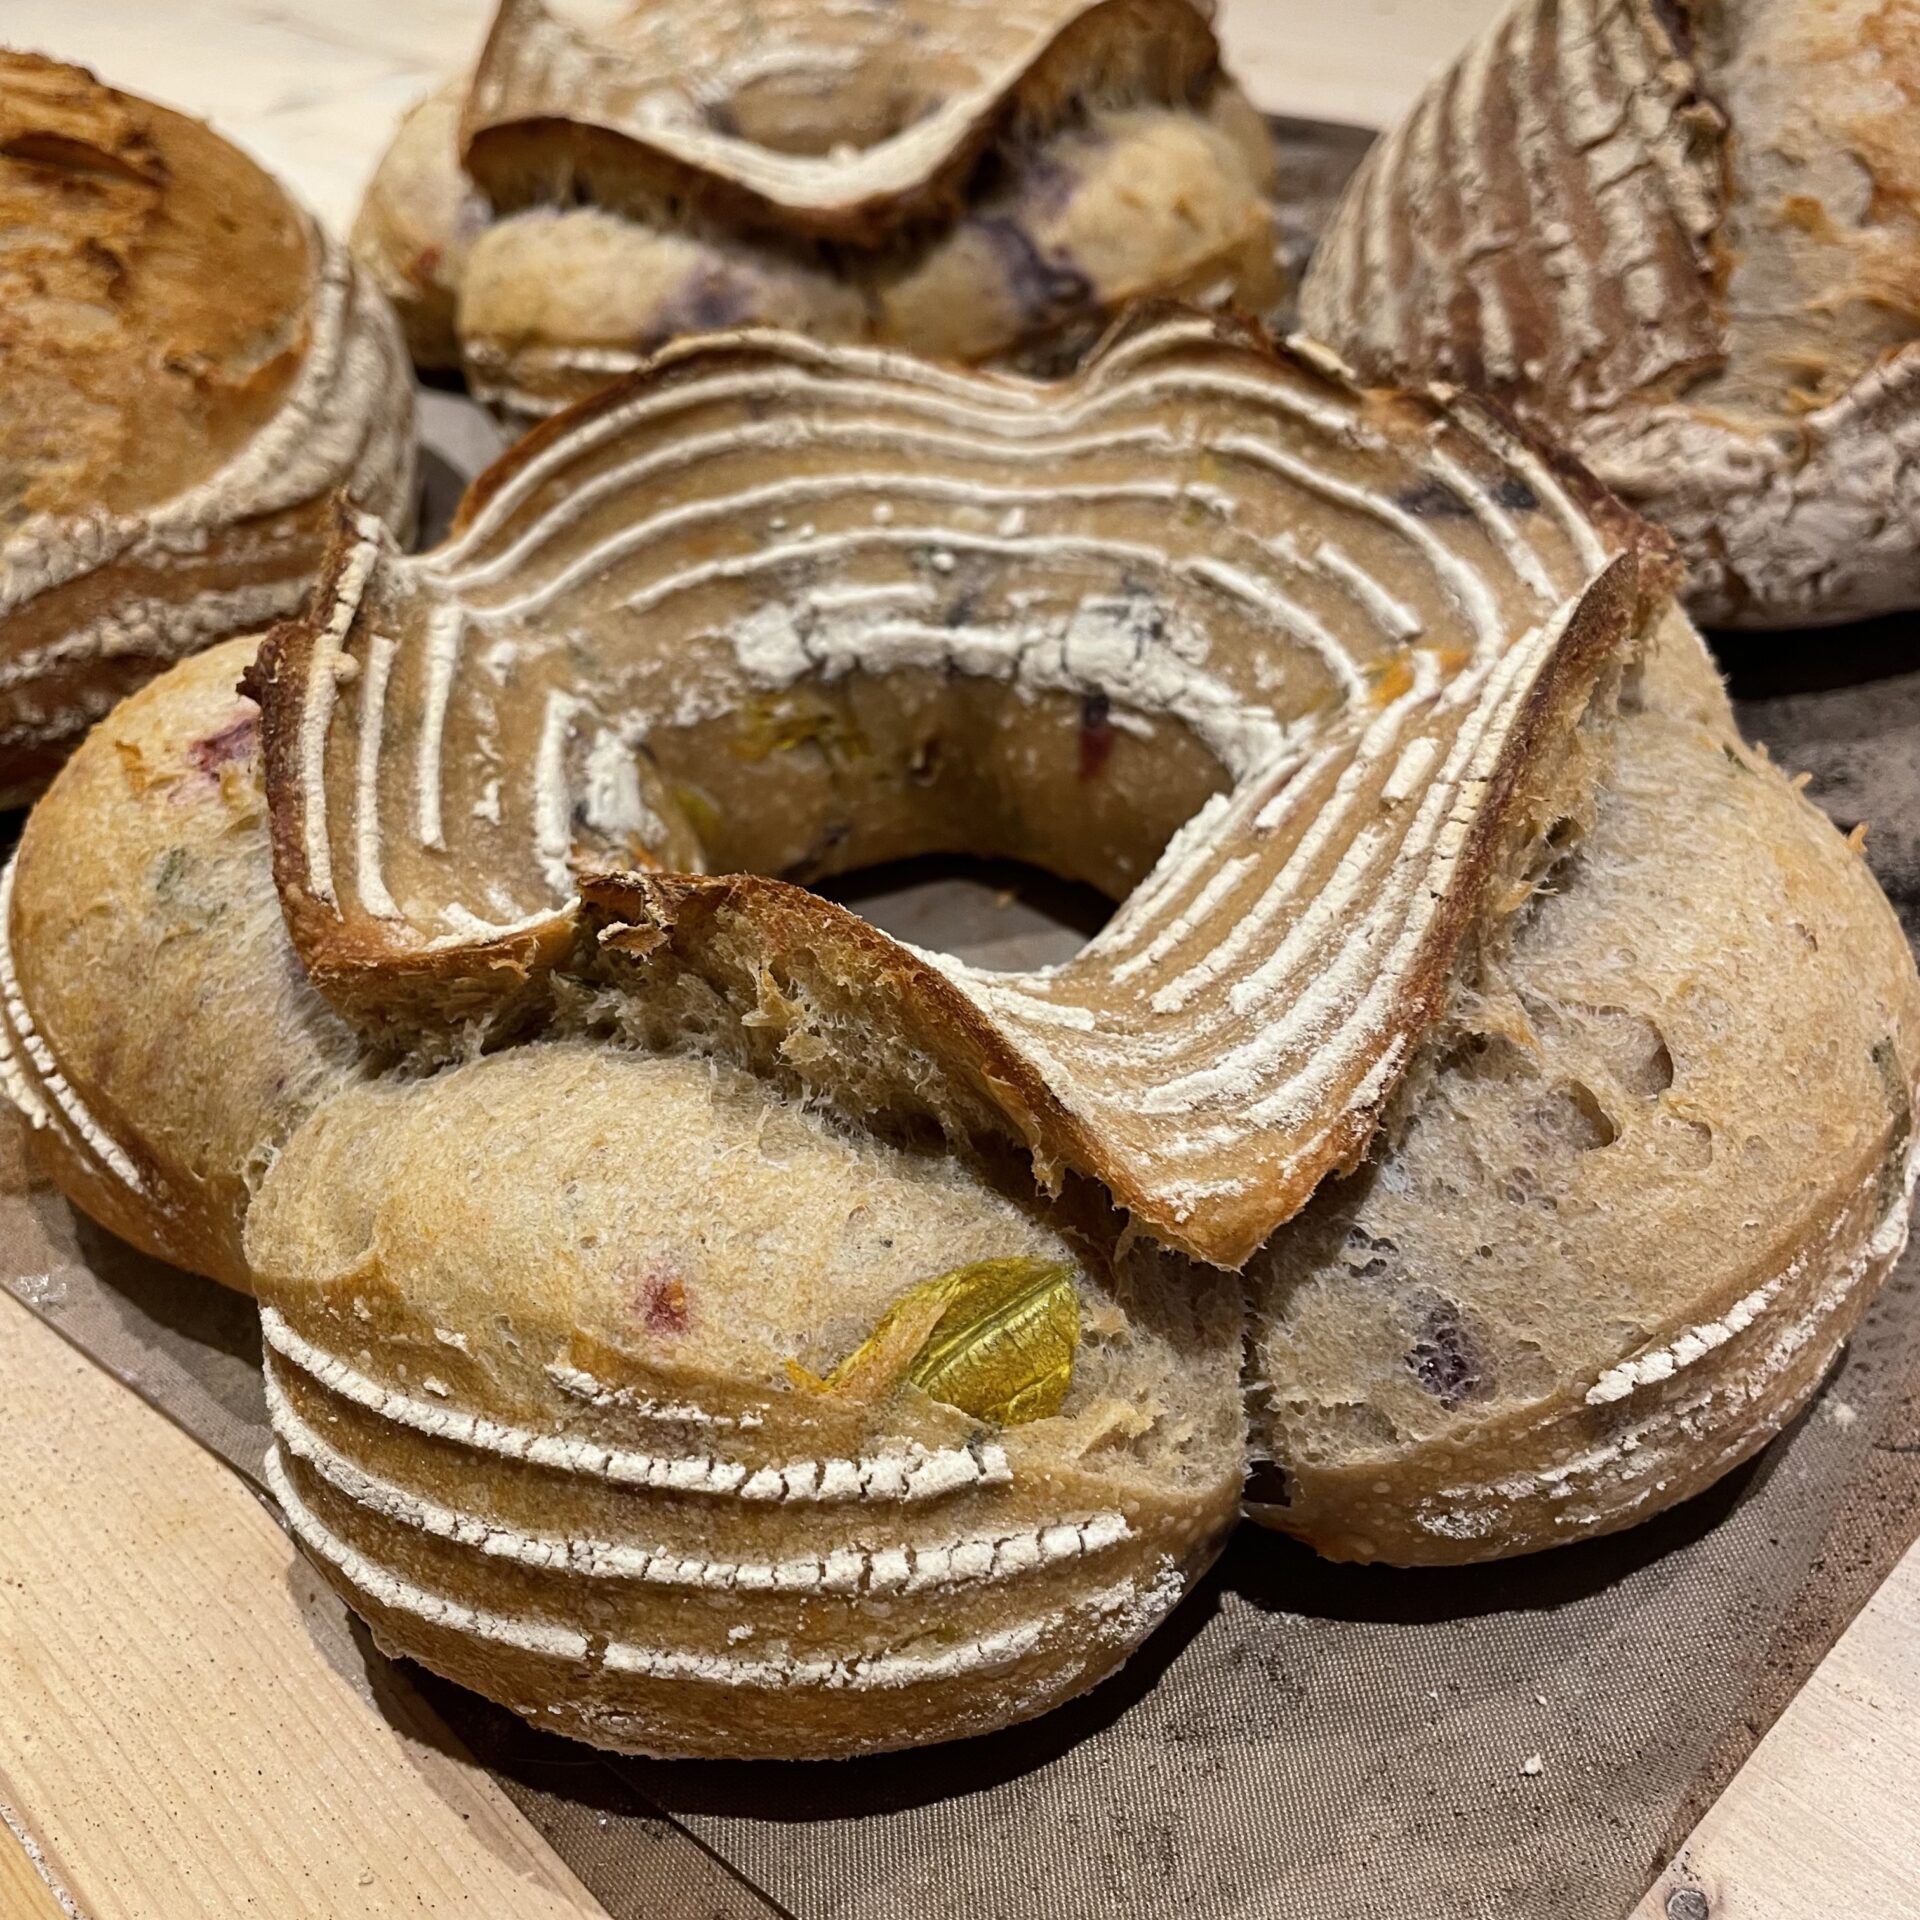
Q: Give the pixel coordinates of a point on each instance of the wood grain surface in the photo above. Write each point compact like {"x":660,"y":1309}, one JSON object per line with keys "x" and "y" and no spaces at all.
{"x":174,"y":1740}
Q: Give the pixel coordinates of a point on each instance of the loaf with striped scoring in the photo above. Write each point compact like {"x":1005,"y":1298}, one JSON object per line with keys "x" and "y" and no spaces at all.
{"x":704,"y":1323}
{"x":962,"y":179}
{"x":192,"y":370}
{"x":1682,"y":236}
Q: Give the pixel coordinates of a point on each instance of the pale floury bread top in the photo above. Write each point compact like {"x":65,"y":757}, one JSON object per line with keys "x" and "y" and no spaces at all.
{"x":191,"y":370}
{"x":1684,"y":238}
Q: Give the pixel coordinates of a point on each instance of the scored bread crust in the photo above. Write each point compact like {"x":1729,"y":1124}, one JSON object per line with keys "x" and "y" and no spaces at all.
{"x":538,"y":1431}
{"x":961,"y":181}
{"x":1663,"y":1159}
{"x":1685,"y":239}
{"x":1363,"y":629}
{"x":193,"y":369}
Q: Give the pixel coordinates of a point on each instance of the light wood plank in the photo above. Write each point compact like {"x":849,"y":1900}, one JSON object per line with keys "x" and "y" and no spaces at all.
{"x":1357,"y":61}
{"x":173,"y":1736}
{"x":1824,"y":1818}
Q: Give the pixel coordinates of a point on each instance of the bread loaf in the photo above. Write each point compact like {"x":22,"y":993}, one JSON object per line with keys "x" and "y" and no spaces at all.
{"x":957,"y":179}
{"x":1682,"y":236}
{"x":191,"y":370}
{"x":666,"y":1333}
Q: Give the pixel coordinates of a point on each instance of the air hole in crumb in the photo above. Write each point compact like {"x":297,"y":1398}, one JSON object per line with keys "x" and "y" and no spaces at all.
{"x":1571,"y":1116}
{"x":1449,"y":1358}
{"x":1269,"y":1484}
{"x":1689,"y":1142}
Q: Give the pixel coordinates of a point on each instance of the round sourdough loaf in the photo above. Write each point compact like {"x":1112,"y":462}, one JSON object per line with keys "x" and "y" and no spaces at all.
{"x":1660,"y":1159}
{"x":705,"y":1324}
{"x":951,"y":179}
{"x":191,"y":369}
{"x":1682,"y":236}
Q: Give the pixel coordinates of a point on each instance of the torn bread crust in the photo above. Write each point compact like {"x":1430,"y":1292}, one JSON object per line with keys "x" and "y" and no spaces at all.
{"x":1597,"y":1465}
{"x":1233,"y":1035}
{"x":93,"y":603}
{"x":656,"y":132}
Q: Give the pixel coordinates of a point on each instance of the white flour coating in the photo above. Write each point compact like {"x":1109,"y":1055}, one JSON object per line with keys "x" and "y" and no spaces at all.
{"x":317,"y":711}
{"x":1103,"y":645}
{"x":446,"y":631}
{"x":18,"y":1031}
{"x":552,"y":795}
{"x":906,"y":1471}
{"x":612,"y":802}
{"x":1254,"y":985}
{"x":972,"y":1559}
{"x":372,"y":887}
{"x":1127,"y":1606}
{"x":1695,"y":1344}
{"x":597,"y":1393}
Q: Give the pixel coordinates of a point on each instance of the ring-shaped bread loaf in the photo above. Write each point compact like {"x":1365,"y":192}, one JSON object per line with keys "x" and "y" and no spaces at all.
{"x":615,"y":1373}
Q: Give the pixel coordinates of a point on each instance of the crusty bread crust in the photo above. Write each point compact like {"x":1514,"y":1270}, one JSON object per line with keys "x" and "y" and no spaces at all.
{"x":169,"y":462}
{"x":1662,"y":1162}
{"x":955,"y":180}
{"x":616,"y":1372}
{"x":1409,"y":751}
{"x":1685,"y":238}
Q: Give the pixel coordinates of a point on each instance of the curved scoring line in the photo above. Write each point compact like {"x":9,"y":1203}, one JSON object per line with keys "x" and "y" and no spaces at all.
{"x":827,"y":427}
{"x":660,"y":1565}
{"x":1003,"y":1646}
{"x":1302,"y":625}
{"x":1329,"y":1053}
{"x":956,"y":406}
{"x":1328,"y":564}
{"x":911,"y":1472}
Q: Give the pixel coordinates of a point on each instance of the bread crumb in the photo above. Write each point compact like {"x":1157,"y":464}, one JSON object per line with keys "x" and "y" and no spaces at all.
{"x":1539,"y":1699}
{"x":1532,"y":1765}
{"x":1841,"y":1412}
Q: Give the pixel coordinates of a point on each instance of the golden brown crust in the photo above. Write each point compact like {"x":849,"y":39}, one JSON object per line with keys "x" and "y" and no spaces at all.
{"x":861,"y":122}
{"x":1687,"y":242}
{"x":191,"y":370}
{"x":960,"y":181}
{"x":1614,"y":1242}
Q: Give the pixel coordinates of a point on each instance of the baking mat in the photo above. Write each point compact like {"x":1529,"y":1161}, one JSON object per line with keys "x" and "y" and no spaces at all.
{"x":1302,"y":1739}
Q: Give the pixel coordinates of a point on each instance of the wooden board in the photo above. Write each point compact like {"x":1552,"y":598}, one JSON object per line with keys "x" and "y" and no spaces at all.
{"x":1824,"y":1818}
{"x":173,"y":1738}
